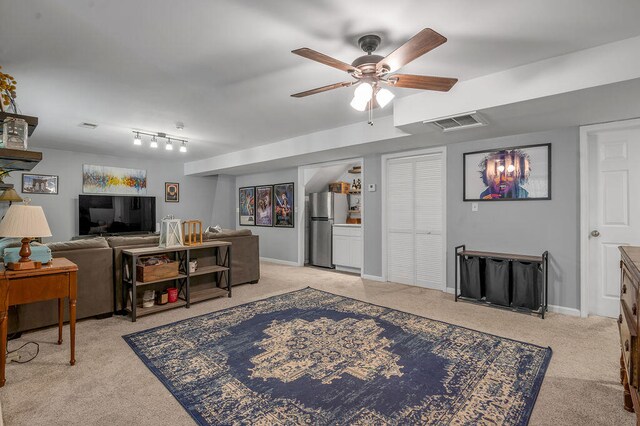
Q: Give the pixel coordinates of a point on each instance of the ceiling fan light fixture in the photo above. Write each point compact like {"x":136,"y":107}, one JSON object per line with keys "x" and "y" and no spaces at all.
{"x":384,"y":96}
{"x":363,"y":92}
{"x":362,"y":96}
{"x":359,"y":104}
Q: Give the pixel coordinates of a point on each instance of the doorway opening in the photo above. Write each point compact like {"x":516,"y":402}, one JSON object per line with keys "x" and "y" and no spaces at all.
{"x":333,"y":215}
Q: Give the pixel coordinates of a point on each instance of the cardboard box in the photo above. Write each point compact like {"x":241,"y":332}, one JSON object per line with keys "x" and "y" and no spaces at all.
{"x":339,"y":187}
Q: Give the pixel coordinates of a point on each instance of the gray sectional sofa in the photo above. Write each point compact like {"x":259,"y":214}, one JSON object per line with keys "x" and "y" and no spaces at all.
{"x":99,"y":261}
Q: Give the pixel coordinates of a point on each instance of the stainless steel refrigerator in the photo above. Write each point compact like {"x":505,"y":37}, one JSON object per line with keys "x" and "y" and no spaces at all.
{"x":326,"y":209}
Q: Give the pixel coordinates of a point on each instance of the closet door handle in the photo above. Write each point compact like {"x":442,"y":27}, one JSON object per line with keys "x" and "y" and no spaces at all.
{"x":624,"y":288}
{"x":620,"y":319}
{"x":626,"y":345}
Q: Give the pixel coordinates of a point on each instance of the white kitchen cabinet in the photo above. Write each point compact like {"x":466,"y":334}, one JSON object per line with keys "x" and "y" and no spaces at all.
{"x":347,"y":247}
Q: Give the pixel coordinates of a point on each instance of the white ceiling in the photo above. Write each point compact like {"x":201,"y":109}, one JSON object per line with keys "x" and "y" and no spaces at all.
{"x":224,"y":67}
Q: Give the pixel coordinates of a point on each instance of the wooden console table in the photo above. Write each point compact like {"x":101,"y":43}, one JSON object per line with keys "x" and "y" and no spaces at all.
{"x":56,"y":280}
{"x":212,"y":278}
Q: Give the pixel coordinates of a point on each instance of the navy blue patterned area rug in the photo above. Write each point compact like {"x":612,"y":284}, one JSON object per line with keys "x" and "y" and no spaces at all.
{"x":315,"y":358}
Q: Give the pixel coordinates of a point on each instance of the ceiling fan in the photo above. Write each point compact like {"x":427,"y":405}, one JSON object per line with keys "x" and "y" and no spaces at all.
{"x":371,"y":72}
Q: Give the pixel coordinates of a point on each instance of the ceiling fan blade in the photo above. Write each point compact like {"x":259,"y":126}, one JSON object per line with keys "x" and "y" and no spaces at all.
{"x":322,"y":89}
{"x":420,"y":44}
{"x":305,"y":52}
{"x":424,"y":82}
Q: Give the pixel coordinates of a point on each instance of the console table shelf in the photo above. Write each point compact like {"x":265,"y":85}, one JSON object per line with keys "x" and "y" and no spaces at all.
{"x":212,"y":278}
{"x":507,"y":280}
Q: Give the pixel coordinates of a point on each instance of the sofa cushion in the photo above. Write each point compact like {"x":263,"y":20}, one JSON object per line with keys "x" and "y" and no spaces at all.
{"x":149,"y":240}
{"x":88,"y":243}
{"x":226,"y":233}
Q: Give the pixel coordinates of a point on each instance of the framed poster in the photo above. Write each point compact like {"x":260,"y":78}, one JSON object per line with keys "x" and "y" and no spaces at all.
{"x":283,"y":204}
{"x":39,"y":184}
{"x":264,"y":205}
{"x":113,"y":180}
{"x":171,"y":192}
{"x":508,"y":174}
{"x":247,"y":209}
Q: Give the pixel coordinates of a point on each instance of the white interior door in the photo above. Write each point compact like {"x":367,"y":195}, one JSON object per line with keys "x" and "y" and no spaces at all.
{"x":415,"y":221}
{"x":614,"y":212}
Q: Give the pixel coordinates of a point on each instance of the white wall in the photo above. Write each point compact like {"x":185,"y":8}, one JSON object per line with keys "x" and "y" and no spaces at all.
{"x":196,"y":193}
{"x":526,"y":227}
{"x":275,"y":243}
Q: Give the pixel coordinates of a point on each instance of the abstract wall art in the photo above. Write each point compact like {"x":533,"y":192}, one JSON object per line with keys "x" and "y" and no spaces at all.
{"x":113,"y":180}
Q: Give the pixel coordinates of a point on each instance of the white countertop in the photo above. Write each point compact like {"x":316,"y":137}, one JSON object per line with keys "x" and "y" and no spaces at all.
{"x":350,"y":225}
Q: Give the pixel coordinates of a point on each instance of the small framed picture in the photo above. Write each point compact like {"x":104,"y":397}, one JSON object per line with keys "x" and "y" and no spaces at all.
{"x":39,"y":184}
{"x":264,"y":205}
{"x":247,"y":208}
{"x":171,"y":192}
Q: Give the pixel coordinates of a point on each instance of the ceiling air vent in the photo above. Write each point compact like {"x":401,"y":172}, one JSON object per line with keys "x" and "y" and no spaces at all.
{"x":90,"y":126}
{"x":458,"y":122}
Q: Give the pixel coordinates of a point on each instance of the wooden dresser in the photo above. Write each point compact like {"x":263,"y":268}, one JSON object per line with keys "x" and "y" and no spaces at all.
{"x":628,"y":326}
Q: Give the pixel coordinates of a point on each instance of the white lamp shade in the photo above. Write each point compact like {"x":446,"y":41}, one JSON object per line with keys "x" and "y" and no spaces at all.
{"x":383,"y":97}
{"x":359,"y":104}
{"x":24,"y":221}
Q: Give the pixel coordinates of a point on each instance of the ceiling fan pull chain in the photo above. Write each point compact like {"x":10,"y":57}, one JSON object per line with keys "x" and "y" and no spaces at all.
{"x":371,"y":112}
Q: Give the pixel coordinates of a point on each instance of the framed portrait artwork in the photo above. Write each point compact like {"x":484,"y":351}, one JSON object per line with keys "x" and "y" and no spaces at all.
{"x":283,"y":205}
{"x":508,"y":174}
{"x":39,"y":184}
{"x":171,"y":192}
{"x":247,"y":200}
{"x":264,"y":205}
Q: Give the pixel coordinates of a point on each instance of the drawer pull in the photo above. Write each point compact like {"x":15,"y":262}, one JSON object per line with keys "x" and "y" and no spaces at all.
{"x":634,"y":309}
{"x":626,"y":345}
{"x":620,"y":319}
{"x":624,"y":288}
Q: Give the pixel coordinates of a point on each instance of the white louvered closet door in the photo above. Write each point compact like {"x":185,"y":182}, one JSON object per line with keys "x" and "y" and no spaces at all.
{"x":415,"y":221}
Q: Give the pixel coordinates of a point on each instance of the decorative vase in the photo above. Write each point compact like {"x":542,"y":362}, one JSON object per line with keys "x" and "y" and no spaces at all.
{"x":15,"y":132}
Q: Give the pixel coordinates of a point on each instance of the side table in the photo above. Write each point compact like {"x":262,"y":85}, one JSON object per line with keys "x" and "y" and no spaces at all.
{"x":56,"y":280}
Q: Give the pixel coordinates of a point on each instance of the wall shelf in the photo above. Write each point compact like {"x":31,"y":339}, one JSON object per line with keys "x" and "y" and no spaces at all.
{"x":32,"y":122}
{"x":16,"y":159}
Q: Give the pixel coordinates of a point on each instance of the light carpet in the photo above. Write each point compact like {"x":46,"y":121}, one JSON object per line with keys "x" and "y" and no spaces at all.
{"x":110,"y":385}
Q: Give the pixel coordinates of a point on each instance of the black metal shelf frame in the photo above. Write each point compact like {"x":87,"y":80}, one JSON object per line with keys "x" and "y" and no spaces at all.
{"x":543,"y":261}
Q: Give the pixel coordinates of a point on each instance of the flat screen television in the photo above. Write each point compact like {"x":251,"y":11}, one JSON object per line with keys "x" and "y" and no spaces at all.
{"x":116,"y":214}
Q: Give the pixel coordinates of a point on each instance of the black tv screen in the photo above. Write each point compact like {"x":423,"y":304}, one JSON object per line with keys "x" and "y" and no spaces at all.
{"x":116,"y":214}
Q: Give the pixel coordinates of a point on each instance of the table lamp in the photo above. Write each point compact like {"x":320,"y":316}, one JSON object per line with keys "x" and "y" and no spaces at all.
{"x":26,"y":222}
{"x":10,"y":195}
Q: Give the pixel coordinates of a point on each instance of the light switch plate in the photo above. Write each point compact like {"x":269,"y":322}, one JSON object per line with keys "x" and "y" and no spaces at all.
{"x":372,"y":187}
{"x":474,"y":207}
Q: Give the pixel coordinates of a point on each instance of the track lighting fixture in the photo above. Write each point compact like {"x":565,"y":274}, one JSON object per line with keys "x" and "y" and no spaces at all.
{"x":153,"y":143}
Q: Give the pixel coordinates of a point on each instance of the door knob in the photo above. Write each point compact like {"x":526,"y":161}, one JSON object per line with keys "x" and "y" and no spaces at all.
{"x":595,"y":233}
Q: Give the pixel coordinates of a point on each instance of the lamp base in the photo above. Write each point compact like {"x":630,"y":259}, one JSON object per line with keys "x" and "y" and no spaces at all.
{"x":22,"y":266}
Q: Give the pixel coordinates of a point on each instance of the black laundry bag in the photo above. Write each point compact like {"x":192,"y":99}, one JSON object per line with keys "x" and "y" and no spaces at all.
{"x":471,"y":285}
{"x":527,"y":285}
{"x":496,"y":279}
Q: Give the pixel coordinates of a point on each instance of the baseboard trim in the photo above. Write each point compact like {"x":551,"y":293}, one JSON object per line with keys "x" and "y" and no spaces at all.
{"x":572,"y":312}
{"x":278,"y":261}
{"x":373,"y":278}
